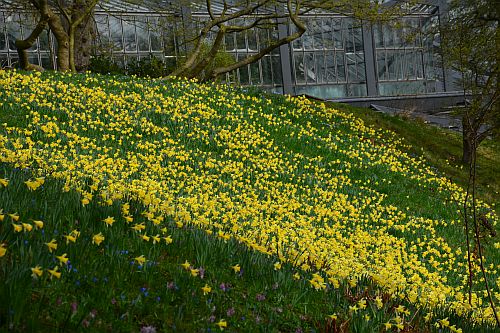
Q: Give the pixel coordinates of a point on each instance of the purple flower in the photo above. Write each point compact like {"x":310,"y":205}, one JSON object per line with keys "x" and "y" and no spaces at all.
{"x":85,"y":323}
{"x":74,"y":307}
{"x":201,"y":272}
{"x":224,"y":287}
{"x":148,"y":329}
{"x":211,"y":319}
{"x":230,"y":312}
{"x":113,"y":301}
{"x":260,"y":297}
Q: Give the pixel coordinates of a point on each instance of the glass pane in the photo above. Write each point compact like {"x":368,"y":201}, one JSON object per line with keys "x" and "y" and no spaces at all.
{"x":155,"y":41}
{"x":230,"y":41}
{"x":338,"y":33}
{"x":331,"y":75}
{"x":277,"y":75}
{"x":267,"y":71}
{"x":298,"y":59}
{"x":43,"y":41}
{"x":13,"y":28}
{"x":129,"y":33}
{"x":243,"y":72}
{"x":356,"y":90}
{"x":388,"y":36}
{"x":252,"y":40}
{"x":47,"y":62}
{"x":320,"y":67}
{"x":103,"y":39}
{"x":4,"y":62}
{"x":378,"y":36}
{"x":142,"y":33}
{"x":3,"y":39}
{"x":33,"y":58}
{"x":310,"y":68}
{"x":419,"y":65}
{"x":255,"y":73}
{"x":240,"y":42}
{"x":340,"y":67}
{"x":381,"y":66}
{"x":28,"y":25}
{"x":115,"y":28}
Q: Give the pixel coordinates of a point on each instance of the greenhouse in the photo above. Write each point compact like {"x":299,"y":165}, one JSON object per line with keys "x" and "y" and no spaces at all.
{"x":338,"y":56}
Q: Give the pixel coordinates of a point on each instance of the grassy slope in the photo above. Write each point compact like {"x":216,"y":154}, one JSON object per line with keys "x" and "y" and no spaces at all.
{"x":289,"y":304}
{"x":442,"y":149}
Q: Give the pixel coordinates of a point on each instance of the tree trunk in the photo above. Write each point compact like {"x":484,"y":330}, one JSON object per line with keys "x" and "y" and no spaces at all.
{"x":468,"y":137}
{"x":62,"y":41}
{"x":23,"y":45}
{"x":467,"y":150}
{"x":71,"y":35}
{"x":83,"y":34}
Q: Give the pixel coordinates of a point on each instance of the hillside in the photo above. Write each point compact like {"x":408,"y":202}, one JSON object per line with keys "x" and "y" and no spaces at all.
{"x":132,"y":178}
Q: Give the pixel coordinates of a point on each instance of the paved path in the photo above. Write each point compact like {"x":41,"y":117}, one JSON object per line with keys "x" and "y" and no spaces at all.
{"x":443,"y":119}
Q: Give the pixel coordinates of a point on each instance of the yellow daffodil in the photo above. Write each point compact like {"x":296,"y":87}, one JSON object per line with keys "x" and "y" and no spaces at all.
{"x":140,"y":259}
{"x":54,"y":272}
{"x":32,"y":185}
{"x":236,"y":268}
{"x":14,"y":217}
{"x":139,"y":227}
{"x":70,"y":238}
{"x":63,"y":259}
{"x":222,"y":324}
{"x":17,"y":227}
{"x":52,"y":245}
{"x":38,"y":224}
{"x":168,"y":240}
{"x":4,"y":182}
{"x":3,"y":250}
{"x":109,"y":221}
{"x":36,"y":271}
{"x":206,"y":289}
{"x":98,"y":239}
{"x":27,"y":227}
{"x":277,"y":266}
{"x":145,"y":237}
{"x":156,"y":239}
{"x":186,"y":265}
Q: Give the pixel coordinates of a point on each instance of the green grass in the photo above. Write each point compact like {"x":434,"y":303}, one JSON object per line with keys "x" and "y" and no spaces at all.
{"x":229,"y":159}
{"x":441,"y":148}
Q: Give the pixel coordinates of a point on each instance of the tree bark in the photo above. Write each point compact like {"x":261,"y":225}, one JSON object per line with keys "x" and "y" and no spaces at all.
{"x":468,"y":135}
{"x":80,"y":34}
{"x":23,"y":45}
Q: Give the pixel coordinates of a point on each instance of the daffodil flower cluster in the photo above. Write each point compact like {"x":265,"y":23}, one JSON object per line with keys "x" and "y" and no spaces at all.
{"x":311,"y":185}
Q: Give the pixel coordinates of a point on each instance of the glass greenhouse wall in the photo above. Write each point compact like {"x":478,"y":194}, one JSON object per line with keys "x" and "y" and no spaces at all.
{"x":338,"y":56}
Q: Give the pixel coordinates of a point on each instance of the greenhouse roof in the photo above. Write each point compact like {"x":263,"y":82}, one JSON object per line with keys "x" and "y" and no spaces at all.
{"x":153,"y":6}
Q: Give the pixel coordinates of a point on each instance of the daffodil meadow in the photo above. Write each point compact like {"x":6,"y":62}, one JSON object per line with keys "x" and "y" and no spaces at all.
{"x":111,"y":183}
